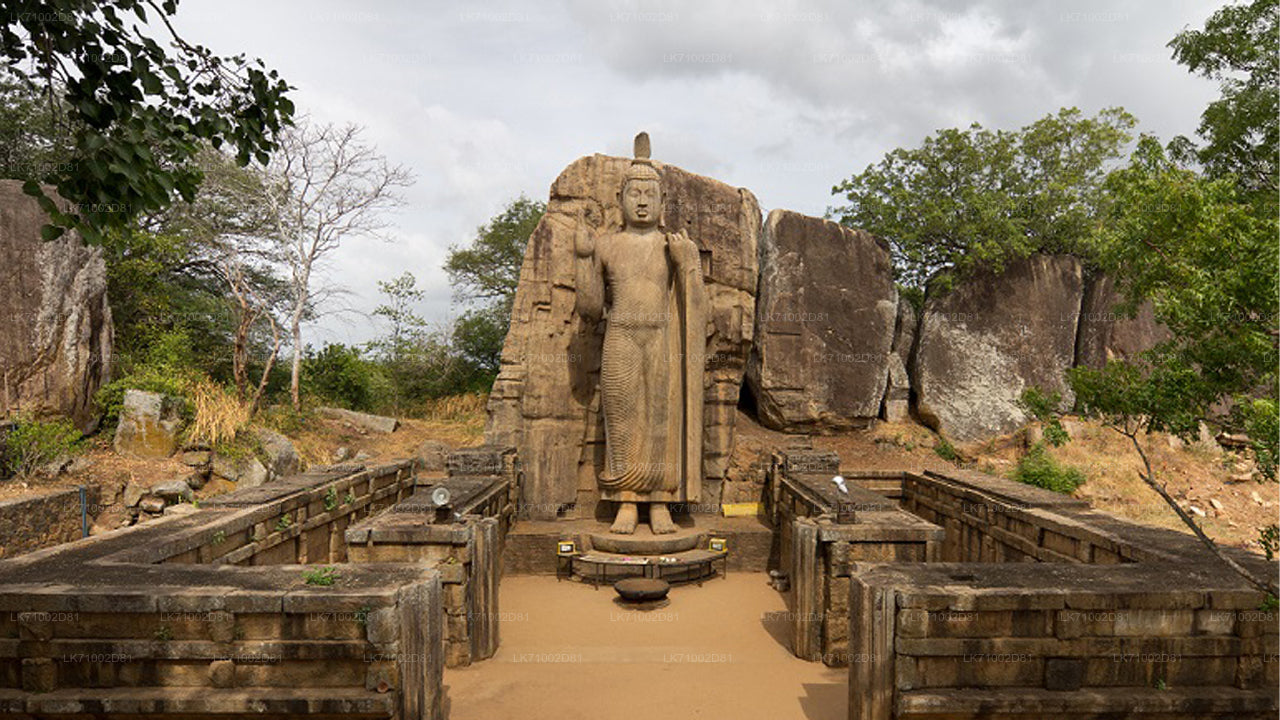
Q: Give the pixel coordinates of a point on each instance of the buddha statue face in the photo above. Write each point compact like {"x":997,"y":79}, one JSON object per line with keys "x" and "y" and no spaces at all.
{"x":641,"y":202}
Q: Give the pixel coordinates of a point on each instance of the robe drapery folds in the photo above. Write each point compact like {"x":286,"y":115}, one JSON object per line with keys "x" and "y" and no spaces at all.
{"x":651,"y":396}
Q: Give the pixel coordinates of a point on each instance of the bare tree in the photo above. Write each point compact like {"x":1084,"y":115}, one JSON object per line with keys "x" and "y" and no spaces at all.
{"x":323,"y":186}
{"x":232,"y":231}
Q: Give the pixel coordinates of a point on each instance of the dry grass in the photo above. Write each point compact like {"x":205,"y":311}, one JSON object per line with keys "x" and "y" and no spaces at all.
{"x":455,"y":408}
{"x":458,"y":421}
{"x":219,"y":413}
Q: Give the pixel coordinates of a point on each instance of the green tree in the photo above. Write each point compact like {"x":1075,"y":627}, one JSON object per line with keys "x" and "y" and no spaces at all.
{"x":1202,"y":250}
{"x":1241,"y":129}
{"x":401,"y":292}
{"x":485,"y":274}
{"x":396,"y":350}
{"x":340,"y":374}
{"x":981,"y":198}
{"x":33,"y":145}
{"x":136,"y":109}
{"x":1201,"y":253}
{"x":478,"y":336}
{"x":488,"y":269}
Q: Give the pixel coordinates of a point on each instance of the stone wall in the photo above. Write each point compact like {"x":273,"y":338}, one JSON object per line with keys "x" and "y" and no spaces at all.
{"x":1042,"y":606}
{"x":467,"y":548}
{"x":55,"y":333}
{"x":224,"y":611}
{"x":823,"y":535}
{"x":954,"y":641}
{"x":28,"y":524}
{"x":544,"y":401}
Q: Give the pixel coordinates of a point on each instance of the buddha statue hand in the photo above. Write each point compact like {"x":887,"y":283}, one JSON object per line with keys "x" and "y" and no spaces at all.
{"x":684,"y":252}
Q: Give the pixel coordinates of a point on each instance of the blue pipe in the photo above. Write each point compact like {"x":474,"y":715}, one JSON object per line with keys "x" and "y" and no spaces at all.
{"x":84,"y":512}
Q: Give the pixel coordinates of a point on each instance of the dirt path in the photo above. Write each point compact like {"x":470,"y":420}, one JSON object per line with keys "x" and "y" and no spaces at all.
{"x":716,"y":651}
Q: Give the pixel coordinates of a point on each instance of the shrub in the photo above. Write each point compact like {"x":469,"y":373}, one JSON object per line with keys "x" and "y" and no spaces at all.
{"x":1043,"y":407}
{"x":339,"y":375}
{"x":946,"y":450}
{"x":1039,"y":468}
{"x":32,"y":443}
{"x":324,"y":576}
{"x":110,"y":397}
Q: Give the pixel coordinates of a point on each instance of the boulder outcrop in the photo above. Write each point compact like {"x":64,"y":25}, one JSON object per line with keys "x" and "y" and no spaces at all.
{"x":149,"y":425}
{"x":1106,"y":333}
{"x":55,"y":331}
{"x":992,"y":336}
{"x":825,"y":321}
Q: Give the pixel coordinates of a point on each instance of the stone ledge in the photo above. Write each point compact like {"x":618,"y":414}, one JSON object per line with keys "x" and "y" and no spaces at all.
{"x":1124,"y":702}
{"x":245,"y":701}
{"x":1016,"y":493}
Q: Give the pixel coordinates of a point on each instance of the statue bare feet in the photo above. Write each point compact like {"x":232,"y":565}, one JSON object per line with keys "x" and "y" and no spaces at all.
{"x":624,"y":523}
{"x":660,"y":519}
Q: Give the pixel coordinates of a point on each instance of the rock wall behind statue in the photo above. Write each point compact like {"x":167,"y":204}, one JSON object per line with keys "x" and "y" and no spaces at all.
{"x":55,"y":331}
{"x":545,"y":400}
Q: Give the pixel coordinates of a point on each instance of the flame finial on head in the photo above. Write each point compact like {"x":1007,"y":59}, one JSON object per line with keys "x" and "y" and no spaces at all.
{"x":641,"y":166}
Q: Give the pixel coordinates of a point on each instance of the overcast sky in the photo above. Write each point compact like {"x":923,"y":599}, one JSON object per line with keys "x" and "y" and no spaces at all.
{"x":485,"y":101}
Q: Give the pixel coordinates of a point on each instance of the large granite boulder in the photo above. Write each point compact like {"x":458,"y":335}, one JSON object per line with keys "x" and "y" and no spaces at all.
{"x":824,"y":325}
{"x":55,"y":331}
{"x":990,"y":337}
{"x":149,"y":425}
{"x":544,"y":401}
{"x":1106,"y":333}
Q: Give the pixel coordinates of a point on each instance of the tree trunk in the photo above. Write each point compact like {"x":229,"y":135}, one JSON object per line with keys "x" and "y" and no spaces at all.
{"x":296,"y":369}
{"x":270,"y":365}
{"x":1265,"y":585}
{"x":240,"y":354}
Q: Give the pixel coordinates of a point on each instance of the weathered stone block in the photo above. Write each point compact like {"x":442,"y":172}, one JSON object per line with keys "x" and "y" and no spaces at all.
{"x":1215,"y":622}
{"x":1163,"y":623}
{"x":382,"y":625}
{"x":222,"y":674}
{"x":39,"y":675}
{"x":222,"y":626}
{"x":1064,"y":673}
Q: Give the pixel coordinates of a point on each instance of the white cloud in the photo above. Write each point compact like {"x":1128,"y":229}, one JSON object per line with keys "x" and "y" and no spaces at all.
{"x":484,"y":101}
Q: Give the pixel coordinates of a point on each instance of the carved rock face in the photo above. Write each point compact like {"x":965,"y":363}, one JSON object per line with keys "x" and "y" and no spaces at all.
{"x":641,"y":203}
{"x":545,"y":400}
{"x":55,"y":333}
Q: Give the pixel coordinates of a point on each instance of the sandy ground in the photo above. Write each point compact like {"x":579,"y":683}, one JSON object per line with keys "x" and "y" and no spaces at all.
{"x":716,"y":651}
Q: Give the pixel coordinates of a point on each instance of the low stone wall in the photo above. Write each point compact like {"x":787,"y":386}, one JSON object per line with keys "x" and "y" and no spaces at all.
{"x":224,"y":611}
{"x":959,"y":640}
{"x":297,"y":520}
{"x":823,"y":533}
{"x":37,"y":522}
{"x":463,"y":542}
{"x":1046,"y":608}
{"x":990,"y":519}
